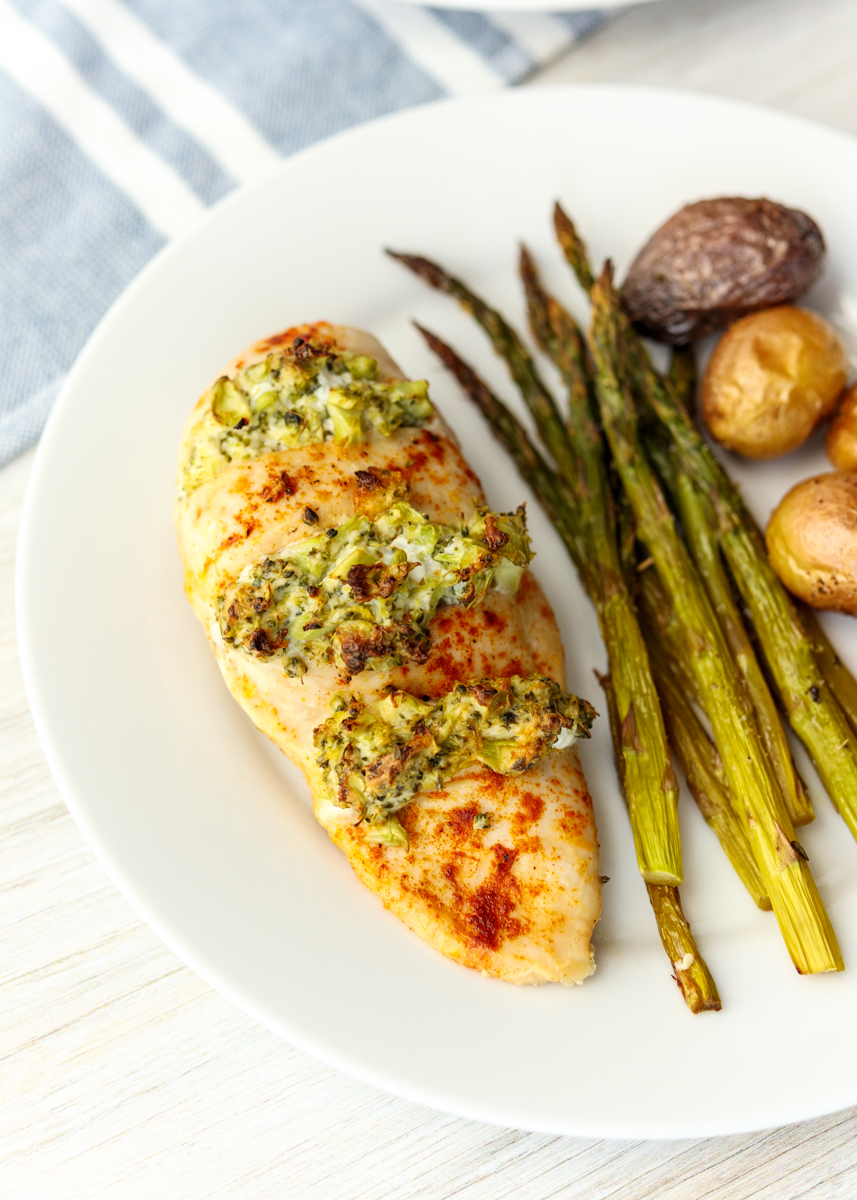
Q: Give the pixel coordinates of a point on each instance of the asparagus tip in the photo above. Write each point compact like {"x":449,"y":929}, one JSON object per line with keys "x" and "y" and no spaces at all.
{"x":573,"y":247}
{"x":562,"y":222}
{"x":424,"y":267}
{"x":525,"y":261}
{"x":605,"y":279}
{"x":465,"y":374}
{"x":433,"y":341}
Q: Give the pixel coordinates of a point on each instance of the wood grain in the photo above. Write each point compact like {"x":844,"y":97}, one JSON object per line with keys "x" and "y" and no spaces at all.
{"x":124,"y":1076}
{"x":795,"y":55}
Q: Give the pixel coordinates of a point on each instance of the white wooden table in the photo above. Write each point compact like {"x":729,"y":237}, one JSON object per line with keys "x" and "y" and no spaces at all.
{"x":124,"y":1076}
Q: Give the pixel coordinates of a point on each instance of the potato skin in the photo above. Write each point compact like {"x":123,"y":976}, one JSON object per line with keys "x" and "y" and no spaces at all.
{"x":717,"y":260}
{"x":841,"y":440}
{"x":812,"y":541}
{"x":772,"y":379}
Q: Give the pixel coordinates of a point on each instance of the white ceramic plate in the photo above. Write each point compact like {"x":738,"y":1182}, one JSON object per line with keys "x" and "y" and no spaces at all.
{"x":206,"y":828}
{"x":527,"y":6}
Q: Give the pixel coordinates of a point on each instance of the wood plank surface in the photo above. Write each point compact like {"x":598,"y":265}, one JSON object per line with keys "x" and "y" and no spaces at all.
{"x":795,"y":55}
{"x":125,"y":1076}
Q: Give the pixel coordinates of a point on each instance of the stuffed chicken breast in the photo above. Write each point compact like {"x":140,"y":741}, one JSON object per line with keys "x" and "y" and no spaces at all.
{"x":378,"y":622}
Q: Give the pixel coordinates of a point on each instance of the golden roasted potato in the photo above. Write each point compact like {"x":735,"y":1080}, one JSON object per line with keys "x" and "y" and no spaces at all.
{"x":717,"y":260}
{"x":773,"y":378}
{"x":812,"y":541}
{"x":841,"y":440}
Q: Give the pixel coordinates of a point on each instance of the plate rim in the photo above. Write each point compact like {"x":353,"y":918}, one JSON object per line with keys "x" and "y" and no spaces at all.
{"x":424,"y":1095}
{"x":537,"y":7}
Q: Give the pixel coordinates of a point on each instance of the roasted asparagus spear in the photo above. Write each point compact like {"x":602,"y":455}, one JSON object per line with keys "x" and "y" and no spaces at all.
{"x":802,"y":918}
{"x":578,"y":452}
{"x":805,"y":692}
{"x":691,"y":973}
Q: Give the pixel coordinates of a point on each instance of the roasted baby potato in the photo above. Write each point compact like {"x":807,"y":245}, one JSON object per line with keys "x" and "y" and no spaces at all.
{"x":812,"y":541}
{"x":841,"y":440}
{"x":772,"y":379}
{"x":716,"y":261}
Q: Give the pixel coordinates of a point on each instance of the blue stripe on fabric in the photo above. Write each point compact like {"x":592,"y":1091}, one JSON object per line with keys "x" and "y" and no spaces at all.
{"x":299,"y":71}
{"x":69,"y":243}
{"x":582,"y":23}
{"x":501,"y":52}
{"x":150,"y":124}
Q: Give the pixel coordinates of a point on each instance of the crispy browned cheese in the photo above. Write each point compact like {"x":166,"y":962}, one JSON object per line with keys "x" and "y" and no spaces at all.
{"x":501,"y":872}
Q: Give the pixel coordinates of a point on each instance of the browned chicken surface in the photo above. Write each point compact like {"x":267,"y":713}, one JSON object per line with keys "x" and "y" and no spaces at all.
{"x":498,"y":871}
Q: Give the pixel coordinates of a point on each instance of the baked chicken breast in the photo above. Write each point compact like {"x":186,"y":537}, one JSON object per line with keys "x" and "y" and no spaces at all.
{"x":378,"y":622}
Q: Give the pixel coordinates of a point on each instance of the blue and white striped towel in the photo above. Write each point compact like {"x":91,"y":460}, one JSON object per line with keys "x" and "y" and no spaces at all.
{"x":121,"y":120}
